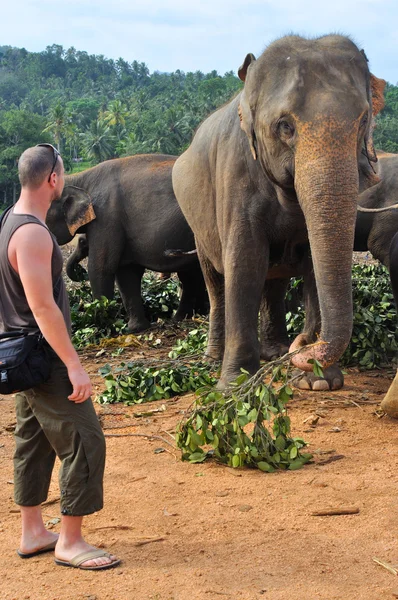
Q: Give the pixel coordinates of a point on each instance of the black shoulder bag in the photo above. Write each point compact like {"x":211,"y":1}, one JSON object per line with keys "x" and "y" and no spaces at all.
{"x":24,"y":358}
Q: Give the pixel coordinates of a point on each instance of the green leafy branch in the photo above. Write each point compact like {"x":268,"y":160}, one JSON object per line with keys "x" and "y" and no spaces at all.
{"x":247,"y":424}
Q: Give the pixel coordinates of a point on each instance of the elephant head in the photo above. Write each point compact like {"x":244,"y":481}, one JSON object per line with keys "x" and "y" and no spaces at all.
{"x":308,"y":109}
{"x":70,"y":214}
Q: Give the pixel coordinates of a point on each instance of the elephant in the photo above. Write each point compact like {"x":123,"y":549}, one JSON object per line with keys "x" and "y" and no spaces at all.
{"x":278,"y":164}
{"x":390,"y":402}
{"x":375,"y":232}
{"x":128,"y":212}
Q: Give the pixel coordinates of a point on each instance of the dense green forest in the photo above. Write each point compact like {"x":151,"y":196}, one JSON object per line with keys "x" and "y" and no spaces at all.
{"x":93,"y":108}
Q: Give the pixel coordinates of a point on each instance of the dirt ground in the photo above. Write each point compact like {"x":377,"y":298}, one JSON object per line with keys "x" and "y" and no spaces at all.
{"x":212,"y":532}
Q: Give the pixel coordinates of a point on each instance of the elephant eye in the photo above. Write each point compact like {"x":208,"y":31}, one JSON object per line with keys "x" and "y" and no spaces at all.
{"x":285,"y":129}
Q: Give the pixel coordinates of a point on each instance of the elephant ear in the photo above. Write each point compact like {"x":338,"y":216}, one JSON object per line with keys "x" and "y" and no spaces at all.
{"x":78,"y":208}
{"x":245,"y":116}
{"x":377,"y":102}
{"x":242,"y":71}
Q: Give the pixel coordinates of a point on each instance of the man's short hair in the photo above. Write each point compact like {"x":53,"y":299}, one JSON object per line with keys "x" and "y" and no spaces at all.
{"x":34,"y":166}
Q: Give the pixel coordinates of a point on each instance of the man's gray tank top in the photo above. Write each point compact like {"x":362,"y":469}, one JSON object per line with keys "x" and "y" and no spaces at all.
{"x":14,"y":309}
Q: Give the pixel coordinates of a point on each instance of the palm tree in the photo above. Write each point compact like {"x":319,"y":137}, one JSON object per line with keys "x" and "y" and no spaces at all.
{"x":116,"y":116}
{"x":58,"y":123}
{"x":98,"y":142}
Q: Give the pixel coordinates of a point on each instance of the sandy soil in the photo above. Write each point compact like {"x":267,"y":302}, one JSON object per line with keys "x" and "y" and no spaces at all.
{"x":214,"y":532}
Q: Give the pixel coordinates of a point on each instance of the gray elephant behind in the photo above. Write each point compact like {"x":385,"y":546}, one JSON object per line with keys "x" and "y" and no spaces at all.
{"x":128,"y":212}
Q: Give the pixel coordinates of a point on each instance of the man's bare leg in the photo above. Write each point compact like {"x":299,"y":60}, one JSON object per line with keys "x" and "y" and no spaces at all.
{"x":34,"y":534}
{"x":71,"y":543}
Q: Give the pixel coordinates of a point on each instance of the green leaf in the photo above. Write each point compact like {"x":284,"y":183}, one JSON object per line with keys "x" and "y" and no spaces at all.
{"x":264,"y":466}
{"x":280,"y":442}
{"x":197,"y":457}
{"x":296,"y":464}
{"x":235,"y":461}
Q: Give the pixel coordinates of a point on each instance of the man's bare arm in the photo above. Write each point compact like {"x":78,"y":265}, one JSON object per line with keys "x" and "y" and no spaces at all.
{"x":30,"y":251}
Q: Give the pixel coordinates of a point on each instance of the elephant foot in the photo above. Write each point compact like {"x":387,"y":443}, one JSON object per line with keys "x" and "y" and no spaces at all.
{"x":212,"y":358}
{"x":221,"y":385}
{"x":390,"y":402}
{"x":272,"y":351}
{"x":333,"y":380}
{"x":213,"y":354}
{"x":135,"y":326}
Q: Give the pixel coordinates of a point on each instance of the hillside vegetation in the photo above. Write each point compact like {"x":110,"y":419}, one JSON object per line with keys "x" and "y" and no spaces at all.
{"x":94,"y":108}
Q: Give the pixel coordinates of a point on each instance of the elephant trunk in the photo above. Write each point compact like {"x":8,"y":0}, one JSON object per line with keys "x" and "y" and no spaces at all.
{"x":327,"y":189}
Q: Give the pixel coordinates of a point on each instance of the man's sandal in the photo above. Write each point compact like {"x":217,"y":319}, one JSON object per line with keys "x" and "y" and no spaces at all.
{"x":48,"y":548}
{"x":83,"y":557}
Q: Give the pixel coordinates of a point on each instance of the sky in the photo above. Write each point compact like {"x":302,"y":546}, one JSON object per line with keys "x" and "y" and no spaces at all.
{"x":200,"y":35}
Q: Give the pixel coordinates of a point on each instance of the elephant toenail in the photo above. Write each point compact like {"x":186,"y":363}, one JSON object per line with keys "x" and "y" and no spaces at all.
{"x":303,"y":385}
{"x":320,"y":385}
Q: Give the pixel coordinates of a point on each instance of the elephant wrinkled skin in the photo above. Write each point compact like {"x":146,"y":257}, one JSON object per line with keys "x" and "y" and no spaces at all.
{"x":278,"y":162}
{"x":127,"y":210}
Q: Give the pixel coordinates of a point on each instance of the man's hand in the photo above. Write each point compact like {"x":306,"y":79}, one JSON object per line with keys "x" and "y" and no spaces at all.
{"x":82,"y":388}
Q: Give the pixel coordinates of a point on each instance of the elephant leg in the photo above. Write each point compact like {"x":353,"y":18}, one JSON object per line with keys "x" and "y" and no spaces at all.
{"x":274,"y":341}
{"x":103,"y":260}
{"x":215,"y":287}
{"x":128,"y":280}
{"x":393,"y":267}
{"x":390,"y":401}
{"x":194,"y":297}
{"x":244,"y":284}
{"x":333,"y":378}
{"x":102,"y":281}
{"x":201,"y":305}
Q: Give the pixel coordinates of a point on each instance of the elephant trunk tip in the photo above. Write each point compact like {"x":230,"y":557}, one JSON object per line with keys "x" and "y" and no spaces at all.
{"x":325,"y":353}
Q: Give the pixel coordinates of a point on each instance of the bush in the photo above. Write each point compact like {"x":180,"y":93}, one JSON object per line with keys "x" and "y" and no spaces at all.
{"x":93,"y":319}
{"x":374,"y":340}
{"x":161,"y":297}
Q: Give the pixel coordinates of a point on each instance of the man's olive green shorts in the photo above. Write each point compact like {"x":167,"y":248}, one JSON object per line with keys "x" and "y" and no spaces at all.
{"x":49,"y":425}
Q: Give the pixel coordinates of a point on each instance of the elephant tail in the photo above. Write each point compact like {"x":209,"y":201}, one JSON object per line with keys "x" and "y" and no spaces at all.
{"x":174,"y":253}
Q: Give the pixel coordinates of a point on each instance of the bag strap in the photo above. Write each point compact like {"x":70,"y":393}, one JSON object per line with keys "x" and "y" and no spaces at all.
{"x":57,"y":286}
{"x":13,"y":334}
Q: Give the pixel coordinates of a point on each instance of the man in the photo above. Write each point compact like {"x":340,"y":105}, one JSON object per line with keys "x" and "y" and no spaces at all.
{"x":57,"y":417}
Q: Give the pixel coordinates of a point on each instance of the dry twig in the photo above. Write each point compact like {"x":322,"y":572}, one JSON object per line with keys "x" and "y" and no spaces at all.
{"x":326,"y":512}
{"x":386,"y":565}
{"x":148,"y":541}
{"x":119,"y":527}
